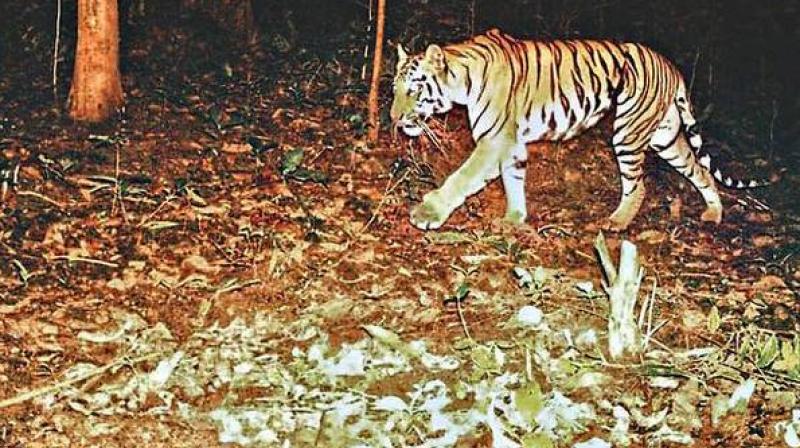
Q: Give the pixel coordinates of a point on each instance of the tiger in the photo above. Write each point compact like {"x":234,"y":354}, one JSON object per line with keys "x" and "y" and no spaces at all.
{"x":522,"y":91}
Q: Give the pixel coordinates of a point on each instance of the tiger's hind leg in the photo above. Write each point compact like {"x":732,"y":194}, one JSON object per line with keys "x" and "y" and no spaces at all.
{"x":513,"y":174}
{"x":670,"y":143}
{"x":633,"y":117}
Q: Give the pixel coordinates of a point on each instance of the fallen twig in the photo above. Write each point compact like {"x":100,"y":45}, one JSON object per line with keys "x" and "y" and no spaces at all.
{"x":461,"y":318}
{"x":73,"y":259}
{"x":42,"y":197}
{"x":10,"y":309}
{"x":31,"y":394}
{"x":235,"y":285}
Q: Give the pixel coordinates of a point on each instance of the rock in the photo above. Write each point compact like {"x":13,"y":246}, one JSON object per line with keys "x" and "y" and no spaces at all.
{"x":652,"y":237}
{"x":48,"y":329}
{"x":769,"y":282}
{"x":694,"y":319}
{"x":31,"y":172}
{"x":675,"y":207}
{"x":191,"y":145}
{"x":751,"y":311}
{"x":572,"y":175}
{"x":117,"y":284}
{"x":780,"y":401}
{"x":758,"y":217}
{"x":196,"y":263}
{"x":762,"y":241}
{"x":236,"y":148}
{"x":591,"y":227}
{"x":530,"y":316}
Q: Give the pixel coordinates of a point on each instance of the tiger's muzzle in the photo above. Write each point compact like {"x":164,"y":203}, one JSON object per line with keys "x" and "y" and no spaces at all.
{"x":409,"y":126}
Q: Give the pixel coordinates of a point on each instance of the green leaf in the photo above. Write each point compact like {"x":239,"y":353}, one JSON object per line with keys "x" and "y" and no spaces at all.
{"x":714,"y":320}
{"x":529,"y":400}
{"x":215,"y":117}
{"x":789,"y":359}
{"x":448,"y":238}
{"x":260,"y":145}
{"x":291,"y":160}
{"x":539,"y":440}
{"x":482,"y":357}
{"x":154,"y":226}
{"x":767,"y":353}
{"x":195,"y":198}
{"x":462,"y":291}
{"x":306,"y":175}
{"x":540,"y":276}
{"x":385,"y":337}
{"x":234,"y":120}
{"x":719,"y":408}
{"x":103,"y":140}
{"x":24,"y":274}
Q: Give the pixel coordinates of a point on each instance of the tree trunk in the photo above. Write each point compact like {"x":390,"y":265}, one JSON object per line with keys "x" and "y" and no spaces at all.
{"x":373,"y":117}
{"x":234,"y":16}
{"x":96,"y":91}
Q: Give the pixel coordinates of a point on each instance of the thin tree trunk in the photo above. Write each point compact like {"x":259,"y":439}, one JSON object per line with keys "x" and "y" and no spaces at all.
{"x":96,"y":91}
{"x":373,"y":119}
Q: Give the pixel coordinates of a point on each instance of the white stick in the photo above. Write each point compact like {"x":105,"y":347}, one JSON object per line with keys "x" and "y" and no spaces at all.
{"x":609,"y":270}
{"x":55,"y":53}
{"x":623,"y":289}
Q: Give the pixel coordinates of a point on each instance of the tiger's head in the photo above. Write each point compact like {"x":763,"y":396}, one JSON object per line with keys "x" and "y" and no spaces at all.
{"x":420,"y":89}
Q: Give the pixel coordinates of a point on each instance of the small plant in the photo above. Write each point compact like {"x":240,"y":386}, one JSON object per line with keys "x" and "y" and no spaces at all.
{"x":766,"y":351}
{"x":290,"y":168}
{"x":357,"y":124}
{"x":533,"y":284}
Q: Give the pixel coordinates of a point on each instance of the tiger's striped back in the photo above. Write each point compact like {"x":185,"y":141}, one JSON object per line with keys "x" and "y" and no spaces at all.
{"x":556,"y":89}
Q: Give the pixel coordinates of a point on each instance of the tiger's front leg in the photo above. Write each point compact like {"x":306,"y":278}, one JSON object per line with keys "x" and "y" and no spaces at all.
{"x":513,"y":172}
{"x":482,"y":166}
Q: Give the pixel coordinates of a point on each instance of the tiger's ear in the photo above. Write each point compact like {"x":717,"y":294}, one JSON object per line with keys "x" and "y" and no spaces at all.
{"x":402,"y":56}
{"x":435,"y":57}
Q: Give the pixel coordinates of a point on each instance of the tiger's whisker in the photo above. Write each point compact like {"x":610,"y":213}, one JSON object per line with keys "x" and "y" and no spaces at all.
{"x":431,"y":136}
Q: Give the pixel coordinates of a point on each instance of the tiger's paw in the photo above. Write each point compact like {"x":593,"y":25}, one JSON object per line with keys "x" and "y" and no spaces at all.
{"x":616,"y":224}
{"x":712,"y":214}
{"x":425,"y":216}
{"x":515,"y":217}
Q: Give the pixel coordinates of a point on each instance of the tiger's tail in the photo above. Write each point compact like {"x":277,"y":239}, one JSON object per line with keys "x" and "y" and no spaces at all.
{"x":696,"y":142}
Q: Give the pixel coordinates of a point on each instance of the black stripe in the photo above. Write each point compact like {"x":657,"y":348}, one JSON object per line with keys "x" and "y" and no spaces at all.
{"x":478,"y":118}
{"x":627,"y":152}
{"x":492,"y":127}
{"x":469,"y":80}
{"x":660,"y":148}
{"x":438,"y":86}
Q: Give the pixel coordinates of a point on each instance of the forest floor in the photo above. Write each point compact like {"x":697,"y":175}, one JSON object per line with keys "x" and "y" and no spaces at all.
{"x":230,"y":262}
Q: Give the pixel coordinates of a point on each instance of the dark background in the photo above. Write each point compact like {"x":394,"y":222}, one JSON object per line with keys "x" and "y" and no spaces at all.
{"x":741,"y":57}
